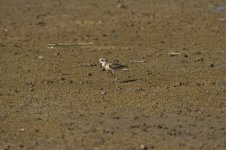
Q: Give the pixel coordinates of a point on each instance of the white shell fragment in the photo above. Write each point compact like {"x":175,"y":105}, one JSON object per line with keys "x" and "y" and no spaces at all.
{"x":173,"y":54}
{"x":40,"y":57}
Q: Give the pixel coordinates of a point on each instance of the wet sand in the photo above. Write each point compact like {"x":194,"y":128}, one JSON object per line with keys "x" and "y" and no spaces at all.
{"x":58,"y":98}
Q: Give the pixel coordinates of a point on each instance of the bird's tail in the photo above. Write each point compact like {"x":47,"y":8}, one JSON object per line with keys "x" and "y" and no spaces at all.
{"x":126,"y":69}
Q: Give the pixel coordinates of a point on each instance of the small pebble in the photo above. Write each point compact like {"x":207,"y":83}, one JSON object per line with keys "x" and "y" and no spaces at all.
{"x":121,"y":6}
{"x":7,"y":147}
{"x":116,"y":117}
{"x":41,"y":23}
{"x":31,"y":89}
{"x":143,"y":147}
{"x":70,"y":81}
{"x":36,"y":130}
{"x":105,"y":34}
{"x":177,"y":84}
{"x":21,"y":146}
{"x":185,"y":55}
{"x":103,"y":93}
{"x":211,"y":65}
{"x":2,"y":45}
{"x":56,"y":54}
{"x":198,"y":59}
{"x":40,"y":57}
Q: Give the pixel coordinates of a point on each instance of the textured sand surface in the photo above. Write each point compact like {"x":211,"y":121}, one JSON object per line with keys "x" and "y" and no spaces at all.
{"x":58,"y":98}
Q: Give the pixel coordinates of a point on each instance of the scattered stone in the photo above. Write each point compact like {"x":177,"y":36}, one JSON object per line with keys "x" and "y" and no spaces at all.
{"x":130,"y":24}
{"x":41,"y":23}
{"x":2,"y":45}
{"x":197,"y":53}
{"x":177,"y":84}
{"x":211,"y":65}
{"x":105,"y":34}
{"x":31,"y":89}
{"x":6,"y":147}
{"x":198,"y":59}
{"x":116,"y":117}
{"x":70,"y":81}
{"x":39,"y":118}
{"x":121,"y":6}
{"x":143,"y":147}
{"x":89,"y":74}
{"x":144,"y":129}
{"x":140,"y":89}
{"x":103,"y":93}
{"x":21,"y":145}
{"x":152,"y":147}
{"x":167,"y":87}
{"x":16,"y":91}
{"x":160,"y":126}
{"x":56,"y":54}
{"x":40,"y":57}
{"x":199,"y":84}
{"x":148,"y":72}
{"x":36,"y":130}
{"x":99,"y":22}
{"x":185,"y":55}
{"x":62,"y":79}
{"x":135,"y":117}
{"x":17,"y":45}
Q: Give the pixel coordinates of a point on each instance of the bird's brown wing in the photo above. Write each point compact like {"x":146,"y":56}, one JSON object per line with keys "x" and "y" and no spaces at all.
{"x":117,"y":66}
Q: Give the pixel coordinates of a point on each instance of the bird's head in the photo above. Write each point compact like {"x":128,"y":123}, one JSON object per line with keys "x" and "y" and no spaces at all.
{"x":102,"y":61}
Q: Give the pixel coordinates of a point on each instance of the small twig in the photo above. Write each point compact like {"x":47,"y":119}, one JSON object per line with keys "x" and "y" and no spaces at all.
{"x":69,"y":45}
{"x":136,"y":61}
{"x":221,"y":19}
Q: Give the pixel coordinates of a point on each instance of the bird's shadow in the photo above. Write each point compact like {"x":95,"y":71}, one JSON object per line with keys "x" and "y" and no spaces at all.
{"x":128,"y":81}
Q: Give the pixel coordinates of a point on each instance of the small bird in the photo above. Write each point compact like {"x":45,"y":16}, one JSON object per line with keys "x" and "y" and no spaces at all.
{"x":112,"y":66}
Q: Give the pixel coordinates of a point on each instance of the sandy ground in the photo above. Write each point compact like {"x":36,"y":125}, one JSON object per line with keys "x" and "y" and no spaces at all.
{"x":58,"y":98}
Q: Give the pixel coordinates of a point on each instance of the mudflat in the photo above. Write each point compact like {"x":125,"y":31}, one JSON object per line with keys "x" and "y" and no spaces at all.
{"x":56,"y":96}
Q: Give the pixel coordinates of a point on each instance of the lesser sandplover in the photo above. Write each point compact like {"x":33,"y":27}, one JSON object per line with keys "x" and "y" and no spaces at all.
{"x":112,"y":66}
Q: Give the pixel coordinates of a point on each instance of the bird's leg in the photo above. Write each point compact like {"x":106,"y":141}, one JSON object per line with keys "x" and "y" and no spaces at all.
{"x":112,"y":73}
